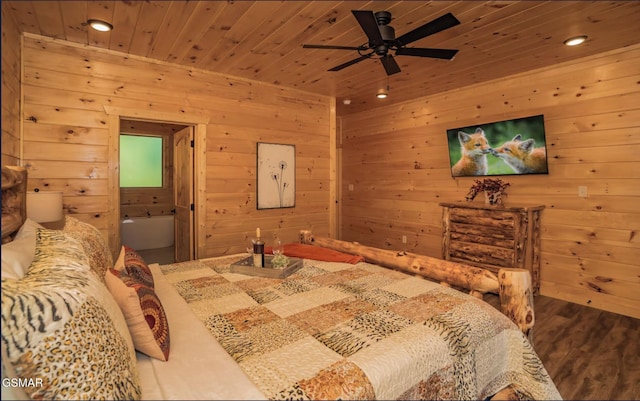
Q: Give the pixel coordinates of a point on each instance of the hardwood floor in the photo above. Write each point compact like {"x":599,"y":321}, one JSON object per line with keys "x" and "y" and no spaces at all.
{"x":163,"y":256}
{"x":590,"y":354}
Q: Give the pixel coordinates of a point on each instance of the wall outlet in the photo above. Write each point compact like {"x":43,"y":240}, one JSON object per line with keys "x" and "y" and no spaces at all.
{"x":404,"y":239}
{"x":350,"y":187}
{"x":582,"y":191}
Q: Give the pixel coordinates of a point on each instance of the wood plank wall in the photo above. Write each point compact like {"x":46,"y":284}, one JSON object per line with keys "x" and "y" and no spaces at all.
{"x":66,"y":137}
{"x":10,"y":91}
{"x":396,"y":160}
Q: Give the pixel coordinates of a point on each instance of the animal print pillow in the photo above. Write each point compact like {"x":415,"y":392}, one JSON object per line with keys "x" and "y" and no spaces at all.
{"x":93,"y":243}
{"x":63,"y":329}
{"x":143,"y":312}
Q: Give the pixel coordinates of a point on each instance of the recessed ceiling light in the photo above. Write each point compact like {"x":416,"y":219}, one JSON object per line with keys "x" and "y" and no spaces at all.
{"x":575,"y":41}
{"x":100,"y":25}
{"x":346,"y":101}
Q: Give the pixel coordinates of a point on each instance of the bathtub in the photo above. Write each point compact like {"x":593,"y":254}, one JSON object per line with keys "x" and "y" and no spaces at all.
{"x":147,"y":232}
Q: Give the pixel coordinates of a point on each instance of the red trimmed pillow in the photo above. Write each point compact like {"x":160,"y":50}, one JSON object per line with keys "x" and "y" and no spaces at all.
{"x":143,"y":312}
{"x":134,"y":265}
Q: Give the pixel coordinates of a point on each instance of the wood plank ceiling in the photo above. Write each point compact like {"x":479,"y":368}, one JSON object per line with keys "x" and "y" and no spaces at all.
{"x":263,"y":40}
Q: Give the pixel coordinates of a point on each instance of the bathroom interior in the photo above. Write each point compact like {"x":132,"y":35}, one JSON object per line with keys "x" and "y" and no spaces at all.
{"x":147,"y":204}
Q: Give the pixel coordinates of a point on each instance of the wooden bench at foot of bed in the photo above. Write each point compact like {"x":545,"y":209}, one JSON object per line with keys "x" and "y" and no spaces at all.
{"x":514,"y":286}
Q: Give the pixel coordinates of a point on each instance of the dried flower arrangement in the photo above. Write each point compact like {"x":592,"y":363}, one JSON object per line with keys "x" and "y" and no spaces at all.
{"x":494,"y":188}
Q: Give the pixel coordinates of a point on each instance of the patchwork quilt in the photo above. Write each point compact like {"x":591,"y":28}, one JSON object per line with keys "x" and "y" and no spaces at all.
{"x":342,"y":331}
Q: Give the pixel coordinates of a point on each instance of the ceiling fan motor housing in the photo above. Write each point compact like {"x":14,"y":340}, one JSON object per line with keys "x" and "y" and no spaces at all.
{"x":381,"y":50}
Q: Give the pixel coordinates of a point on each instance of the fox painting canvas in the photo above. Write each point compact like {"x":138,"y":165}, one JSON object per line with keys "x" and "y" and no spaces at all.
{"x":507,"y":147}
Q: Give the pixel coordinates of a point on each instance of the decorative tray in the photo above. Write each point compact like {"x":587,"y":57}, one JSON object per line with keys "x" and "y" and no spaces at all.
{"x":245,"y":266}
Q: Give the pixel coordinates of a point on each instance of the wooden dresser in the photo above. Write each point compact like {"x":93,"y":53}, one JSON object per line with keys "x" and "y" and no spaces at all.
{"x":493,"y":237}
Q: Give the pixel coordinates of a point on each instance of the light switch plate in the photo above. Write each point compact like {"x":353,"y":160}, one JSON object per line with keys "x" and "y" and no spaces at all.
{"x":582,"y":191}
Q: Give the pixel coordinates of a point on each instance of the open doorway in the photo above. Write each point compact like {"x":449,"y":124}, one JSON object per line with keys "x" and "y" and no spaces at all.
{"x":156,"y":189}
{"x":199,"y":125}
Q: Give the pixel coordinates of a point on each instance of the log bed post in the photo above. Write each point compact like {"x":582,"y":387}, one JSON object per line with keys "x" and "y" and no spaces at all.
{"x":516,"y":298}
{"x":513,"y":285}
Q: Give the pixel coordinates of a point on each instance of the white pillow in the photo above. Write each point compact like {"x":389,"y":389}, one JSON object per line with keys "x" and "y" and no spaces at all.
{"x":28,"y":229}
{"x":18,"y":254}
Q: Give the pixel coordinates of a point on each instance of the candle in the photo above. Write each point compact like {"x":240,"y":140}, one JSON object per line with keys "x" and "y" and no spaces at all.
{"x":258,"y":232}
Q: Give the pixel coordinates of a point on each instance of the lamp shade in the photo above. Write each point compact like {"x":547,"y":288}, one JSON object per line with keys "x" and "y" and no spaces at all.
{"x":44,"y":207}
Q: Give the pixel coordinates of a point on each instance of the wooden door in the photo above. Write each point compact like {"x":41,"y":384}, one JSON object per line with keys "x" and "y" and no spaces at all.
{"x":183,"y":194}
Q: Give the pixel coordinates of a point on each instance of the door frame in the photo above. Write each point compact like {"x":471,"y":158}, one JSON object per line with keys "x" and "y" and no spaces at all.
{"x":199,"y":123}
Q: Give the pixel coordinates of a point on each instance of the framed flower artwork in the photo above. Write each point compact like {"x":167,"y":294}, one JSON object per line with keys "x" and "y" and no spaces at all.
{"x":276,"y":181}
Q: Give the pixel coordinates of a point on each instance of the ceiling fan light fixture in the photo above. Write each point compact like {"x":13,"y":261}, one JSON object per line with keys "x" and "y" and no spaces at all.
{"x":101,"y":26}
{"x":575,"y":41}
{"x":382,"y":94}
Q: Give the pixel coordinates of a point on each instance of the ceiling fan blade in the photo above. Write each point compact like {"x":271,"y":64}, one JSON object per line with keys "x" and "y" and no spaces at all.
{"x":447,"y":54}
{"x":439,"y":24}
{"x":369,"y":25}
{"x":352,"y":62}
{"x":332,"y":47}
{"x":390,"y":64}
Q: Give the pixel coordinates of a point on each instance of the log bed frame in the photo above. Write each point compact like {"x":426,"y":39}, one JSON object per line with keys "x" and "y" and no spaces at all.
{"x":513,"y":285}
